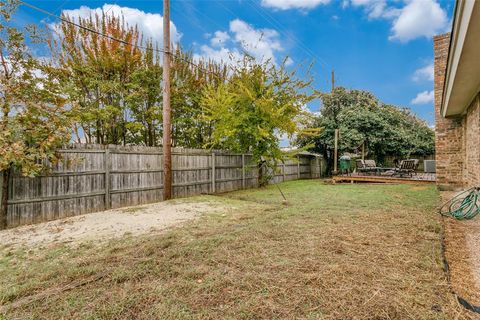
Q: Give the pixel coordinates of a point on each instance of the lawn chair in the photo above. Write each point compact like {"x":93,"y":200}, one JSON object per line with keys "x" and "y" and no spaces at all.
{"x":361,"y":165}
{"x":407,"y":167}
{"x":372,"y":166}
{"x":367,"y":166}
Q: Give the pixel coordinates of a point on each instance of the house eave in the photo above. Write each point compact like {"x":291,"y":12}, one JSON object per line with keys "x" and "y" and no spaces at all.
{"x":462,"y":81}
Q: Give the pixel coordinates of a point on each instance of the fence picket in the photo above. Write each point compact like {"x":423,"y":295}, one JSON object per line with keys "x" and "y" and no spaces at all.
{"x":94,"y":178}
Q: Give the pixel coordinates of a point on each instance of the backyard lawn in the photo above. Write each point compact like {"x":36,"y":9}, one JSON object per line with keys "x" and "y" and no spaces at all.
{"x":332,"y":252}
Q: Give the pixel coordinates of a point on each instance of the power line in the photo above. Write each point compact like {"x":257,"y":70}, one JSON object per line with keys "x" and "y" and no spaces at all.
{"x":65,"y":2}
{"x":48,"y":13}
{"x":111,"y":6}
{"x":229,"y":52}
{"x":65,"y":20}
{"x":275,"y":23}
{"x":61,"y":6}
{"x":278,"y":25}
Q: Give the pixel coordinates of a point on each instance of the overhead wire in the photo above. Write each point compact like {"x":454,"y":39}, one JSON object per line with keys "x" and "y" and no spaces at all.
{"x":265,"y":15}
{"x":78,"y":25}
{"x":48,"y":13}
{"x":229,"y":52}
{"x":279,"y":26}
{"x":136,"y":45}
{"x":61,"y":6}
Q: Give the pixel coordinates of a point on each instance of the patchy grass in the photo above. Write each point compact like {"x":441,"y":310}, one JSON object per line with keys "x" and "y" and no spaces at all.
{"x":333,"y":252}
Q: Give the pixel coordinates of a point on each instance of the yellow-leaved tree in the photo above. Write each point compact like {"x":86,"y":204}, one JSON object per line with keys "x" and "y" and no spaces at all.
{"x":259,"y":104}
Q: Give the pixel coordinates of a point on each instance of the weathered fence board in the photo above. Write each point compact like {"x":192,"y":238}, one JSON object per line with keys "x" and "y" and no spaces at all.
{"x":94,"y":178}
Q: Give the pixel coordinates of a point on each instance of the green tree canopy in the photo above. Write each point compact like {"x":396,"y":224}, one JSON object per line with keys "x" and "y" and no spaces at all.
{"x":362,"y":118}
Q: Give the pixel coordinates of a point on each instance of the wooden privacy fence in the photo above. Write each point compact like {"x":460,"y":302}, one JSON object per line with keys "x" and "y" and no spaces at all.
{"x":94,"y":178}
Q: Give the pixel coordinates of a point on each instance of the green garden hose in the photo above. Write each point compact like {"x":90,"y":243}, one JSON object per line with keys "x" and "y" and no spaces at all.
{"x":463,"y":207}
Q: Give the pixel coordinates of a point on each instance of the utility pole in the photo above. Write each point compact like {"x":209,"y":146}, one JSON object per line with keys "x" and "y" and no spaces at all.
{"x":333,"y":80}
{"x":167,"y":112}
{"x":335,"y":152}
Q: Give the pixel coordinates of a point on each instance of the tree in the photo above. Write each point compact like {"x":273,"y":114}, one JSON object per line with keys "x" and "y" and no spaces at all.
{"x":189,"y":78}
{"x":144,"y":99}
{"x":34,"y":120}
{"x":363,"y":119}
{"x":116,"y":82}
{"x":96,"y":71}
{"x":250,"y":112}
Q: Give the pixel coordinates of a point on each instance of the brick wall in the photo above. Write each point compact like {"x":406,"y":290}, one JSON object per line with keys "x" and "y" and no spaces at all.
{"x":457,"y":140}
{"x":471,"y":124}
{"x":449,"y":138}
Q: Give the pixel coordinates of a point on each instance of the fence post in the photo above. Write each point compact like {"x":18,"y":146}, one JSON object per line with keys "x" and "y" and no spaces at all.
{"x":298,"y":167}
{"x":243,"y":171}
{"x":314,"y":168}
{"x":319,"y":168}
{"x":107,"y":179}
{"x":283,"y":170}
{"x":213,"y":172}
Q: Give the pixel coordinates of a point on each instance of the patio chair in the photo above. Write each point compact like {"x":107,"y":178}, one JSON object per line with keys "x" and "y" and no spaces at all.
{"x":359,"y":164}
{"x":372,"y":166}
{"x":417,"y":163}
{"x":361,"y":167}
{"x":407,"y":167}
{"x":367,"y":166}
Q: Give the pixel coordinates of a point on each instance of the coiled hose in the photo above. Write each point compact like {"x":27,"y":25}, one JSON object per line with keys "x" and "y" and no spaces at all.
{"x":463,"y":207}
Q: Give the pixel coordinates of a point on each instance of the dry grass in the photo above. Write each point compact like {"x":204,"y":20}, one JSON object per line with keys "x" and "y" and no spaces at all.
{"x":462,"y":243}
{"x":334,"y":252}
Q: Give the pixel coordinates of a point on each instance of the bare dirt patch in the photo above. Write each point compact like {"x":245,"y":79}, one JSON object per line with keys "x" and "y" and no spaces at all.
{"x":462,"y":243}
{"x":334,"y":252}
{"x":109,"y":224}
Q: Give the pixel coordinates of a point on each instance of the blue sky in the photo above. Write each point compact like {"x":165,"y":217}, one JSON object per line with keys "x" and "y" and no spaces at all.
{"x":381,"y":46}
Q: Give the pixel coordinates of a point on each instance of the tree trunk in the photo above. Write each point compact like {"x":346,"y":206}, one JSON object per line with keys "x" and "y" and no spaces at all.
{"x":328,"y":159}
{"x":150,"y":135}
{"x":261,"y":174}
{"x":3,"y":197}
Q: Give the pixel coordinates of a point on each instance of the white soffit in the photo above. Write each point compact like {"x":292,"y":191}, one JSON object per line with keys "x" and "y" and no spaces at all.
{"x":462,"y":81}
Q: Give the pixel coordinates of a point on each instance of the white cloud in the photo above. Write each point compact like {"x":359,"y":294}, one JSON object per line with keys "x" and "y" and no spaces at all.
{"x":224,"y":55}
{"x":424,"y":73}
{"x":219,"y":38}
{"x":376,"y":8}
{"x":262,"y":44}
{"x":150,"y":24}
{"x":288,"y":61}
{"x":372,"y":7}
{"x":419,"y":18}
{"x":411,"y":20}
{"x":424,"y":97}
{"x":293,"y":4}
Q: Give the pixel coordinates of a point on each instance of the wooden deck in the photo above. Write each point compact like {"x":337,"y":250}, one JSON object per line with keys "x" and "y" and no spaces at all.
{"x":419,"y":178}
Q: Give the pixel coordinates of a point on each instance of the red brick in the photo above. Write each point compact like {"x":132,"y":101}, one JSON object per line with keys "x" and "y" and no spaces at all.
{"x":457,"y":139}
